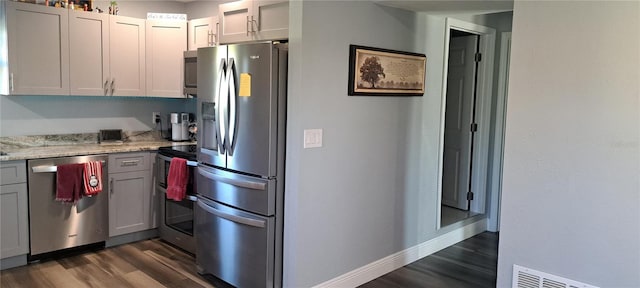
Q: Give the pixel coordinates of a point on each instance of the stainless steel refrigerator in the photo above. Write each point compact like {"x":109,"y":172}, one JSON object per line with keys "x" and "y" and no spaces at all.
{"x":240,"y":186}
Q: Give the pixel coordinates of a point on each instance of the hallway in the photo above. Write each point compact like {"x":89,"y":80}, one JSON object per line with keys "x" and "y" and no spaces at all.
{"x":470,"y":263}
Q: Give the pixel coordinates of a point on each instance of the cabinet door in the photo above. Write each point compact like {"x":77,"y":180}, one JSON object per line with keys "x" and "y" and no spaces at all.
{"x":14,"y":238}
{"x":235,"y":21}
{"x":38,"y":44}
{"x":166,"y":42}
{"x":89,"y":53}
{"x":272,"y":19}
{"x":127,"y":60}
{"x":129,"y":202}
{"x":202,"y":33}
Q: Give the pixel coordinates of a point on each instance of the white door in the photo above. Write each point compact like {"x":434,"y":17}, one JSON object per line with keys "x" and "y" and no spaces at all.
{"x":89,"y":50}
{"x":458,"y":120}
{"x":127,"y":50}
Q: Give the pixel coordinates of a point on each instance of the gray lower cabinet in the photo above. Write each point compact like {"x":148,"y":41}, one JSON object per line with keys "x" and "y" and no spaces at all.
{"x":14,"y":223}
{"x":131,"y":203}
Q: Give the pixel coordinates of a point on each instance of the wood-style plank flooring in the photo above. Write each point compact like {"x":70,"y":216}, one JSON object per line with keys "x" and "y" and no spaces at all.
{"x":153,"y":263}
{"x":150,"y":263}
{"x":470,"y":263}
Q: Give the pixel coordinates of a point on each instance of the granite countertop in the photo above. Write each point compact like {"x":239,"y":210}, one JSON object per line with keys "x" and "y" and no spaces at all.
{"x":49,"y":146}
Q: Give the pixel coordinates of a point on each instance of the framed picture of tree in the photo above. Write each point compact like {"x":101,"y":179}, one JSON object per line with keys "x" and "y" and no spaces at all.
{"x":384,"y":72}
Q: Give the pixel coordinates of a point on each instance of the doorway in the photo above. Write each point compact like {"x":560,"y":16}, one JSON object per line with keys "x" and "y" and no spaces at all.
{"x":466,"y":114}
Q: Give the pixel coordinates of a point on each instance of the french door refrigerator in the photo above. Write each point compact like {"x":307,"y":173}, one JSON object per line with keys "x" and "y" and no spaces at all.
{"x":240,"y":185}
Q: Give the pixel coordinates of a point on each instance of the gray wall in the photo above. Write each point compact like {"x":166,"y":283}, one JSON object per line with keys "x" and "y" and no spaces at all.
{"x":40,"y":115}
{"x":571,"y":192}
{"x":371,"y":190}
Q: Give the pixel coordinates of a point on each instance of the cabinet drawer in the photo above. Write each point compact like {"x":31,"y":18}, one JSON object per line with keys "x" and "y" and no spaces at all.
{"x":127,"y":162}
{"x":12,"y":172}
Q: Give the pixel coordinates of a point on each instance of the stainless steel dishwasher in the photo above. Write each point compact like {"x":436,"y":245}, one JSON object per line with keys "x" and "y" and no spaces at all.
{"x":55,"y":225}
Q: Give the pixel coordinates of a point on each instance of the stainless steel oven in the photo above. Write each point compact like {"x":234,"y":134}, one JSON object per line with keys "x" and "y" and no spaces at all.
{"x":177,"y":217}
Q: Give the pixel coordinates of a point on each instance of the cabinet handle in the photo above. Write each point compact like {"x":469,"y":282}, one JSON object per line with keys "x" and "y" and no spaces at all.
{"x":11,"y":82}
{"x":113,"y":80}
{"x":130,"y":162}
{"x":248,"y":25}
{"x":111,"y":185}
{"x":106,"y":87}
{"x":252,"y":26}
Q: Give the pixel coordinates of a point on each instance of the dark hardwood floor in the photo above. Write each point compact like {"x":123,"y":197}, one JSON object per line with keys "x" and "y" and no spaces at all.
{"x":470,"y":263}
{"x":150,"y":263}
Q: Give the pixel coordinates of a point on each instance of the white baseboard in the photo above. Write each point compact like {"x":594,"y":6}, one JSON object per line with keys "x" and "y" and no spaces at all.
{"x":392,"y":262}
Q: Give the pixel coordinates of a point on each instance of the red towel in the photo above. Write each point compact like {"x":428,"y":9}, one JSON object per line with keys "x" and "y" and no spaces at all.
{"x":177,"y":179}
{"x":69,"y":182}
{"x":92,"y":178}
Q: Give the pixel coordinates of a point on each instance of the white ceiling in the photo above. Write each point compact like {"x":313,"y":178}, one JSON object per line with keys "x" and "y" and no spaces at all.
{"x":451,"y":6}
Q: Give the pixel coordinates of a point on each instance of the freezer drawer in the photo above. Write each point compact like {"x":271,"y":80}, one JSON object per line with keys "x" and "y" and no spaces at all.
{"x":233,"y":245}
{"x":248,"y":193}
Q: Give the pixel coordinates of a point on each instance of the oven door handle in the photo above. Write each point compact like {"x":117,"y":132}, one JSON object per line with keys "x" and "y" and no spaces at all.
{"x":191,"y":198}
{"x":231,"y":217}
{"x":168,"y":159}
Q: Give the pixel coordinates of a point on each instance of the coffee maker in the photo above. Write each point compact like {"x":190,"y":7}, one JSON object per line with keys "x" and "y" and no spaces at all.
{"x":179,"y":126}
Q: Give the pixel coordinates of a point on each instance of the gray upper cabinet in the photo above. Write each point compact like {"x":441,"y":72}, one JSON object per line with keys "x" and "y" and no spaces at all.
{"x":202,"y":32}
{"x":127,"y":56}
{"x":14,"y":237}
{"x":272,"y":21}
{"x":166,"y":41}
{"x":89,"y":50}
{"x":55,"y":51}
{"x":38,"y":48}
{"x":249,"y":20}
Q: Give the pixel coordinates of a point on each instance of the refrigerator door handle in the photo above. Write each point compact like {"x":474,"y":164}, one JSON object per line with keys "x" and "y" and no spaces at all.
{"x":235,"y":182}
{"x":222,"y":103}
{"x":231,"y":72}
{"x":231,"y":217}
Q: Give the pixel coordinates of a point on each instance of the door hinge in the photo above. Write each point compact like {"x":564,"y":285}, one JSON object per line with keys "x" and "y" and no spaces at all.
{"x":478,"y":57}
{"x":469,"y":195}
{"x":474,"y":127}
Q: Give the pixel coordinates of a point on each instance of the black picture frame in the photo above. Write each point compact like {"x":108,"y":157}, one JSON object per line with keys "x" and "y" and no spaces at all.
{"x":404,"y":72}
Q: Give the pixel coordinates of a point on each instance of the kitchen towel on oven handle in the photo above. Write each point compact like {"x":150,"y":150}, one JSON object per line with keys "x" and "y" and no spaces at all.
{"x":177,"y":179}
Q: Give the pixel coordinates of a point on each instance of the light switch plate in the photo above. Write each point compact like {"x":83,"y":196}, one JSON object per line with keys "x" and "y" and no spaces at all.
{"x":312,"y":138}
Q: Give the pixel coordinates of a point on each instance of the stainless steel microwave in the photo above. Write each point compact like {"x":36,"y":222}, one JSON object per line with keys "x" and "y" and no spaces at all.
{"x":190,"y":73}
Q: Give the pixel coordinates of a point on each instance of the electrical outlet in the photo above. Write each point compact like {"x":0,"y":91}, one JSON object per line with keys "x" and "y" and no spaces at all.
{"x":155,"y":117}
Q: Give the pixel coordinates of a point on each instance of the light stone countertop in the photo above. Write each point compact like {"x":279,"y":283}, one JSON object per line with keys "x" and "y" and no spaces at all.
{"x":50,"y":146}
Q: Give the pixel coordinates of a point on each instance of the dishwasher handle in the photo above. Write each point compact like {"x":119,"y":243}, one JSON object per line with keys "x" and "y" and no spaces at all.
{"x":50,"y":169}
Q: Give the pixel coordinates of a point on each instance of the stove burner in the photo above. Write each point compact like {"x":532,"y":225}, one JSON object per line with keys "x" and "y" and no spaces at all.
{"x":183,"y":151}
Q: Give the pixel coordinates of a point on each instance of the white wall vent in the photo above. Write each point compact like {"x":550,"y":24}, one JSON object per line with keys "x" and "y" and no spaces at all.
{"x":528,"y":278}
